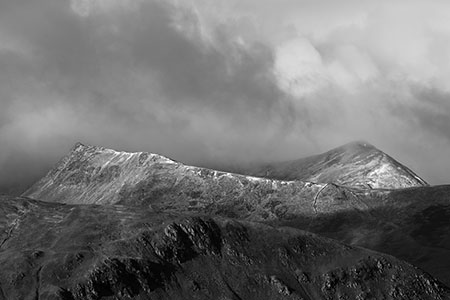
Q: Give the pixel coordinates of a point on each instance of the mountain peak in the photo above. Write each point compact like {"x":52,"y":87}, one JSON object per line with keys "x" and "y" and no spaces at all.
{"x":362,"y":144}
{"x":81,"y":147}
{"x":95,"y":174}
{"x":357,"y":163}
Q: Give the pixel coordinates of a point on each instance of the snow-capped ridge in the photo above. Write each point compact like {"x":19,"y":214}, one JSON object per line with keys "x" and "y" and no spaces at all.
{"x":98,"y":175}
{"x":357,"y":163}
{"x":89,"y":149}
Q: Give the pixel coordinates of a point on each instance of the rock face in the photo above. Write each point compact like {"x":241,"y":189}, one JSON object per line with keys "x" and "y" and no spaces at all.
{"x":58,"y":251}
{"x":354,"y":164}
{"x":95,"y":175}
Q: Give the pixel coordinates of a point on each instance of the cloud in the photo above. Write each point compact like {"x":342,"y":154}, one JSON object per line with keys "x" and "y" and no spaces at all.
{"x":234,"y":81}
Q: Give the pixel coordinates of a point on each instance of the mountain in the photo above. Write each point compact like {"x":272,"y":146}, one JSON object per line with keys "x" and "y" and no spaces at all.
{"x":95,"y":175}
{"x":71,"y":252}
{"x":411,"y":224}
{"x":353,"y":164}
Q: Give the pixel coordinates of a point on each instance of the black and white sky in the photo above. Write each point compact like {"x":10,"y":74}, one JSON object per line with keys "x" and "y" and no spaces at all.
{"x":209,"y":82}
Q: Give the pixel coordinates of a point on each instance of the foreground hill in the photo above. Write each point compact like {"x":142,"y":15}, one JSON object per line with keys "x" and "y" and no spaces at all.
{"x":353,"y":164}
{"x":57,"y":251}
{"x":411,"y":224}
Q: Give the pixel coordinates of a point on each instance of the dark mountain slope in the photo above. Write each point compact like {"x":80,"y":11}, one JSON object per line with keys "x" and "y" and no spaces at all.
{"x":353,"y":164}
{"x":57,"y":251}
{"x":411,"y":224}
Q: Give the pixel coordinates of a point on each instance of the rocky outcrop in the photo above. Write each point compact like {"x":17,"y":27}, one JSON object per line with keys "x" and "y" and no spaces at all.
{"x":57,"y":251}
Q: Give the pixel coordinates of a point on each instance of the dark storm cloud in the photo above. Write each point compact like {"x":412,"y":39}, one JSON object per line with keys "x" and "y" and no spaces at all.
{"x":210,"y":82}
{"x":126,"y":77}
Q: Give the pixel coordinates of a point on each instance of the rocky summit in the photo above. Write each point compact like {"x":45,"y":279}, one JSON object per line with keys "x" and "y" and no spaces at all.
{"x":68,"y":252}
{"x":353,"y":164}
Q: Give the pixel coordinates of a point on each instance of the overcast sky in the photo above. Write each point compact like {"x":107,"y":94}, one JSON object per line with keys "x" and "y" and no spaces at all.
{"x":206,"y":81}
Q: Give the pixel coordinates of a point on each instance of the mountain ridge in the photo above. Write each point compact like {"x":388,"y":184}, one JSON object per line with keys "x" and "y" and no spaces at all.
{"x":97,"y":175}
{"x":110,"y":163}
